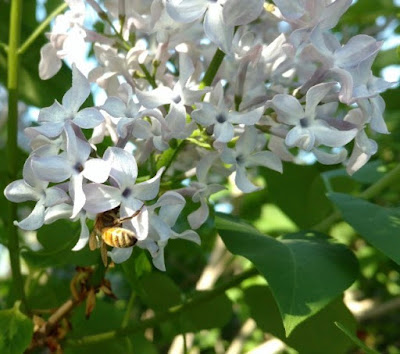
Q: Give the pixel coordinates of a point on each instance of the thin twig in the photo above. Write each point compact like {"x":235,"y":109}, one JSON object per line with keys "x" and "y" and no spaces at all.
{"x":41,"y":28}
{"x":168,"y":315}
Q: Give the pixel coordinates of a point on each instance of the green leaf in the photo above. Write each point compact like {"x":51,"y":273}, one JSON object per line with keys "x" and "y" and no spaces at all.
{"x":105,"y":317}
{"x":378,"y":225}
{"x":214,"y":313}
{"x":354,"y":338}
{"x":160,"y":292}
{"x":316,"y":335}
{"x":16,"y":331}
{"x":304,"y":270}
{"x":299,"y":192}
{"x":57,"y":240}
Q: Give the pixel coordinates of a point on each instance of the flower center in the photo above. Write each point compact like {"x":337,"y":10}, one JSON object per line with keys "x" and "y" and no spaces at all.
{"x":127,"y":192}
{"x":78,"y":167}
{"x":304,"y":123}
{"x":239,"y":159}
{"x":221,"y":118}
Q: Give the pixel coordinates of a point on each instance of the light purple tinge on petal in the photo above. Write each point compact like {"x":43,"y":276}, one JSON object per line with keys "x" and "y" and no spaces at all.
{"x":35,"y":219}
{"x":148,"y":190}
{"x":100,"y":198}
{"x":123,"y":166}
{"x":88,"y":118}
{"x":223,"y":132}
{"x":84,"y":235}
{"x":52,"y":168}
{"x":19,"y":191}
{"x":78,"y":93}
{"x":199,"y":216}
{"x":120,"y":255}
{"x":242,"y":182}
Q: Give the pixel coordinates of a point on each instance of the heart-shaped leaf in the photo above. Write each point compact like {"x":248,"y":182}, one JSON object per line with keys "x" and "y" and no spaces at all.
{"x":305,"y":270}
{"x":378,"y":225}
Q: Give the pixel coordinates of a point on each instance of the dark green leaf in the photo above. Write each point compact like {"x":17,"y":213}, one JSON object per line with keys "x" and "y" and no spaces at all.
{"x":304,"y":270}
{"x":211,"y":314}
{"x":316,"y":335}
{"x":378,"y":225}
{"x":160,"y":292}
{"x":15,"y":331}
{"x":299,"y":192}
{"x":105,"y":317}
{"x":354,"y":338}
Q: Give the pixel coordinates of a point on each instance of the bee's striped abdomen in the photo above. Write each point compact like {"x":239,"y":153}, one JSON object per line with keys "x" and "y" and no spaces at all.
{"x":119,"y":237}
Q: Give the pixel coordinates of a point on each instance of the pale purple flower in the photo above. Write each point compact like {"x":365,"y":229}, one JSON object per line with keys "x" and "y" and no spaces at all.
{"x":221,"y":118}
{"x":220,"y":16}
{"x":308,"y":130}
{"x":53,"y":119}
{"x":73,"y":164}
{"x":243,"y":156}
{"x":32,"y":188}
{"x":124,"y":192}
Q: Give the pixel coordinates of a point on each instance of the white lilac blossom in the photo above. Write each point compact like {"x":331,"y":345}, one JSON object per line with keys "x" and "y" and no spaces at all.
{"x":308,"y":130}
{"x":67,"y":40}
{"x":181,"y":115}
{"x":73,"y":164}
{"x":216,"y":114}
{"x":33,"y":188}
{"x":54,"y":118}
{"x":243,"y":156}
{"x":124,"y":192}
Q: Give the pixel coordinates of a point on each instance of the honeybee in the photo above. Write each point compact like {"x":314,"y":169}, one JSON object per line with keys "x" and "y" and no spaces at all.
{"x":108,"y":229}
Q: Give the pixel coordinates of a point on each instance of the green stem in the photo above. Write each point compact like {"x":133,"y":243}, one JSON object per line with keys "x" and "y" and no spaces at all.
{"x":370,"y":192}
{"x":148,"y":76}
{"x":213,"y":68}
{"x":173,"y":312}
{"x":41,"y":28}
{"x":12,"y":146}
{"x":128,"y":311}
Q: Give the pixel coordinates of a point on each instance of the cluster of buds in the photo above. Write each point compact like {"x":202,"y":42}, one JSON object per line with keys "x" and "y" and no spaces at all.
{"x":286,"y":85}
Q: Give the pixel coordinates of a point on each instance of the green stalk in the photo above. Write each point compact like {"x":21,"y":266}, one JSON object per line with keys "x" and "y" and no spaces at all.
{"x":149,"y":78}
{"x":173,"y":312}
{"x":213,"y":68}
{"x":41,"y":28}
{"x":371,"y":192}
{"x":12,"y":147}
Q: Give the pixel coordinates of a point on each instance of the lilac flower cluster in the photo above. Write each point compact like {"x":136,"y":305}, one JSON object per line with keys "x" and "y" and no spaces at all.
{"x":274,"y":95}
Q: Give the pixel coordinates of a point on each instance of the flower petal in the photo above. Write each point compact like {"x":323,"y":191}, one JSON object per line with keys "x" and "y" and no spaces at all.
{"x":78,"y":93}
{"x":123,"y":166}
{"x":120,"y":255}
{"x":52,"y":168}
{"x":155,"y":98}
{"x":77,"y":195}
{"x":88,"y":118}
{"x":148,"y":190}
{"x":223,"y":132}
{"x":84,"y":235}
{"x":35,"y":219}
{"x":242,"y":182}
{"x":247,"y":118}
{"x":97,"y":170}
{"x":100,"y":198}
{"x":199,"y":216}
{"x":19,"y":191}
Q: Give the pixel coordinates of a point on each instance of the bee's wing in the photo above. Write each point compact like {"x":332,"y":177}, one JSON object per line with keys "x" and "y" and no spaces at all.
{"x":93,"y":243}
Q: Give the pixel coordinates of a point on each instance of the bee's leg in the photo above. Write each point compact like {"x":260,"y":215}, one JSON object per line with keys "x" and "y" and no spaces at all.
{"x":125,"y":218}
{"x":103,"y":251}
{"x":93,"y":243}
